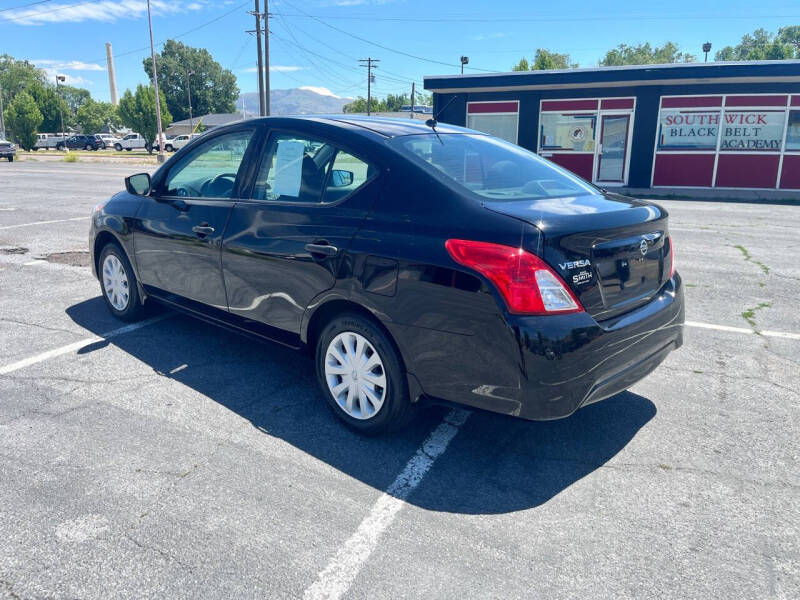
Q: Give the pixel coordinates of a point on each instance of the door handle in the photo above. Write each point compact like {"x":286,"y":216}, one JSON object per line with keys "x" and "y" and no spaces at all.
{"x":322,"y":249}
{"x":202,"y":230}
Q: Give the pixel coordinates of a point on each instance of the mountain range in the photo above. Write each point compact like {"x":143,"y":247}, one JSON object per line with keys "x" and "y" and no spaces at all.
{"x":305,"y":100}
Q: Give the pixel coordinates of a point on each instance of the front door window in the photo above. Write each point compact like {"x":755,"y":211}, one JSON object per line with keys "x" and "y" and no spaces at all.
{"x":613,"y":148}
{"x":210,"y":170}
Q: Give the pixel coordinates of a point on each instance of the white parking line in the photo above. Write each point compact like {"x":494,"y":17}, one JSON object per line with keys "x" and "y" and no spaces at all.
{"x":44,"y":222}
{"x":765,"y":333}
{"x":32,"y":360}
{"x":334,"y":581}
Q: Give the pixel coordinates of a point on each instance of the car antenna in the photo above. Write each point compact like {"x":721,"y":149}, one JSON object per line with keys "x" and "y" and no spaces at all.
{"x":432,"y":124}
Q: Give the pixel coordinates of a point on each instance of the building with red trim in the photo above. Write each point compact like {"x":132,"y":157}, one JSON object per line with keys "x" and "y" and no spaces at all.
{"x":709,"y":125}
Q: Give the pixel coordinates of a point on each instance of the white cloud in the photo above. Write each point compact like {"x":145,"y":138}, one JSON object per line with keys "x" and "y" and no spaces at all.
{"x":71,"y":65}
{"x":75,"y":80}
{"x":322,"y":91}
{"x":490,"y":36}
{"x":275,"y":69}
{"x":104,"y":11}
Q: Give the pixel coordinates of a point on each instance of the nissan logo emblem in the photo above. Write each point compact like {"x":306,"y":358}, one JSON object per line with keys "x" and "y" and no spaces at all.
{"x":643,"y":247}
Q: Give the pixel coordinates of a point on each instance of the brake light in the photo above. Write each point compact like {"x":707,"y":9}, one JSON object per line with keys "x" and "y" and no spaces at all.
{"x":526,"y":283}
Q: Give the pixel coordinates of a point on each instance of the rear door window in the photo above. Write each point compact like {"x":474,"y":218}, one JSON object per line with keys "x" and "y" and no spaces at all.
{"x":304,"y":170}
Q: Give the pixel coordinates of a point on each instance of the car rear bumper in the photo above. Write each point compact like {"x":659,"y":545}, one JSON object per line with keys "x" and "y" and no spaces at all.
{"x":544,"y":368}
{"x":7,"y":153}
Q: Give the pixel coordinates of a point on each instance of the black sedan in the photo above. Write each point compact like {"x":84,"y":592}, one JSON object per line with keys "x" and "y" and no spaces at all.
{"x":81,"y":142}
{"x":415,"y":261}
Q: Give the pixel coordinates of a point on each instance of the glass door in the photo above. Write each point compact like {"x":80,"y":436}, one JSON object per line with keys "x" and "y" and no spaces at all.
{"x":612,"y":151}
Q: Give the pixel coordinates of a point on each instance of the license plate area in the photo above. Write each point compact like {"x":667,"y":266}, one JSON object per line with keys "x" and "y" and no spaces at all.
{"x":630,"y":268}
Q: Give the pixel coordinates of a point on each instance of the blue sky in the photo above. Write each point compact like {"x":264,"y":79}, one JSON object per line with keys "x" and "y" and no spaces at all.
{"x":316,"y":42}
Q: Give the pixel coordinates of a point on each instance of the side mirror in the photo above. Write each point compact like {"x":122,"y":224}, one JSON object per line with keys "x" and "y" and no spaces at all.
{"x":341,"y":178}
{"x":138,"y":185}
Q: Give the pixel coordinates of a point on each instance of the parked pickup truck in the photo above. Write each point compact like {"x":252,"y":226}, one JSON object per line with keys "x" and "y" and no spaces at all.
{"x":7,"y":150}
{"x":130,"y":142}
{"x":177,"y":142}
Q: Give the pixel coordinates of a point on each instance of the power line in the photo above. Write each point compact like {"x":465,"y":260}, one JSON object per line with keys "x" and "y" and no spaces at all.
{"x":33,"y":15}
{"x":24,"y":5}
{"x":376,"y":44}
{"x":369,"y":63}
{"x":456,"y":19}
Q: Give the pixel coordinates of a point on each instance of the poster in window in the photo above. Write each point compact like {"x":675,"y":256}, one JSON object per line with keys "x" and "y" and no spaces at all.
{"x":688,"y":130}
{"x":748,"y":130}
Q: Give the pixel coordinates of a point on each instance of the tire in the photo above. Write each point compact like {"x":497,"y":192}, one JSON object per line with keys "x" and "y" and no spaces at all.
{"x":35,"y":149}
{"x":88,"y":147}
{"x":128,"y":149}
{"x":114,"y":285}
{"x":59,"y":147}
{"x":169,"y":148}
{"x":374,"y":408}
{"x":118,"y":147}
{"x":10,"y":159}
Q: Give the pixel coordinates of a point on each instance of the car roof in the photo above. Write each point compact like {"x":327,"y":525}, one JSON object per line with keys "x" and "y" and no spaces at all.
{"x":383,"y":126}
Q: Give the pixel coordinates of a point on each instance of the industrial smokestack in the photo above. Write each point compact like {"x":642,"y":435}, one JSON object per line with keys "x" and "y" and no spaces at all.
{"x":112,"y":82}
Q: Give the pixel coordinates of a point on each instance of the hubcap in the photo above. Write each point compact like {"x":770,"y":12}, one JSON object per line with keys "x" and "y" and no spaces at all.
{"x":355,"y":375}
{"x":115,"y":282}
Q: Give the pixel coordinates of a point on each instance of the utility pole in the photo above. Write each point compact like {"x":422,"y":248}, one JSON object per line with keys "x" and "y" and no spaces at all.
{"x":707,"y":49}
{"x":161,"y":143}
{"x":189,"y":94}
{"x":262,"y":106}
{"x":266,"y":56}
{"x":61,"y":110}
{"x":413,"y":91}
{"x":370,"y":64}
{"x":2,"y":121}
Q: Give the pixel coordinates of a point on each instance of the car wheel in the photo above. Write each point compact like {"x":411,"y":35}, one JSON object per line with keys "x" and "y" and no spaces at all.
{"x":59,"y":147}
{"x":118,"y":147}
{"x":118,"y":283}
{"x":10,"y":159}
{"x":128,"y":149}
{"x":169,"y":148}
{"x":34,"y":149}
{"x":88,"y":147}
{"x":361,"y":375}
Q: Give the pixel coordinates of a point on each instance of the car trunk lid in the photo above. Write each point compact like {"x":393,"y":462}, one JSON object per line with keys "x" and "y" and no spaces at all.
{"x":612,"y":251}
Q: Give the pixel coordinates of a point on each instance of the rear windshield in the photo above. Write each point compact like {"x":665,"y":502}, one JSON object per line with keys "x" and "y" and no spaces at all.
{"x":490,"y":167}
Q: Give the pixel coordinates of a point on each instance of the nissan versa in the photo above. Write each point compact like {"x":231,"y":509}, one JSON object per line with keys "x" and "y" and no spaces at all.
{"x":414,"y":260}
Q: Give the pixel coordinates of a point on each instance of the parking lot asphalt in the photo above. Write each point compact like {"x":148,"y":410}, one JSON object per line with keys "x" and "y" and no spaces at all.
{"x":177,"y":460}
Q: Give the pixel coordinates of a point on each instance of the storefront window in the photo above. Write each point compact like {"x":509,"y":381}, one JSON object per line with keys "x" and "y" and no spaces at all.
{"x":793,"y":132}
{"x":503,"y":126}
{"x":749,"y":130}
{"x":688,"y":130}
{"x":568,"y":132}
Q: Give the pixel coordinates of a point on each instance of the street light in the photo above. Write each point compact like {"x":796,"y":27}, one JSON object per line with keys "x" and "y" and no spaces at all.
{"x":2,"y":121}
{"x":464,"y":61}
{"x":61,"y":110}
{"x":707,"y":49}
{"x":189,"y":94}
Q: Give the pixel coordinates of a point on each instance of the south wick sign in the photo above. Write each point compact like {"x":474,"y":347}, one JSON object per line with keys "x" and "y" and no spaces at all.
{"x":740,"y":130}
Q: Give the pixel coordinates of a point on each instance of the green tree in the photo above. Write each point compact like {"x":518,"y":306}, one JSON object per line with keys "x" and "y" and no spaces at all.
{"x":138,"y":111}
{"x":645,"y":54}
{"x":359,"y":105}
{"x":394,"y":102}
{"x":22,"y":118}
{"x":49,"y":104}
{"x":17,"y":75}
{"x":74,"y":97}
{"x":545,"y":60}
{"x":522,"y":65}
{"x":94,"y":116}
{"x":213,"y":88}
{"x":763,"y":45}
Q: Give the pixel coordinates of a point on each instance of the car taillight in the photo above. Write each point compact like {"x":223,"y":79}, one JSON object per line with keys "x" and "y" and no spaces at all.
{"x":526,"y":283}
{"x":671,"y":257}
